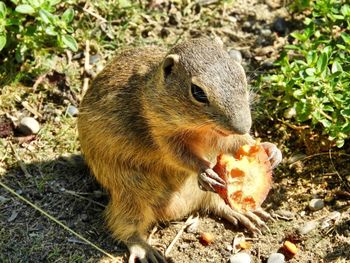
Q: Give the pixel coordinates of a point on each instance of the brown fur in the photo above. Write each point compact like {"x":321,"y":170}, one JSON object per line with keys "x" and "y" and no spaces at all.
{"x":145,"y":139}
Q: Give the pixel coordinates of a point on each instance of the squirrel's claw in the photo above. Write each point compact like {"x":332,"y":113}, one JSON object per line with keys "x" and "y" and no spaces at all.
{"x":252,"y":221}
{"x":145,"y":254}
{"x":208,"y":179}
{"x":275,"y":155}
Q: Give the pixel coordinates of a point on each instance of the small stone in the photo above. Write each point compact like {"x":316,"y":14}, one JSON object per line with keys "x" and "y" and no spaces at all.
{"x":266,"y":32}
{"x":240,"y":257}
{"x":307,"y":227}
{"x":276,"y":258}
{"x":316,"y":204}
{"x":280,"y":26}
{"x":72,"y":111}
{"x":236,"y":55}
{"x":28,"y":126}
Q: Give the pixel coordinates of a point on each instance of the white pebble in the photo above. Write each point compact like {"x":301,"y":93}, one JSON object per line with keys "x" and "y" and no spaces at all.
{"x":316,"y":204}
{"x":72,"y":111}
{"x":307,"y":227}
{"x":240,"y":257}
{"x":236,"y":55}
{"x":276,"y":258}
{"x":28,"y":126}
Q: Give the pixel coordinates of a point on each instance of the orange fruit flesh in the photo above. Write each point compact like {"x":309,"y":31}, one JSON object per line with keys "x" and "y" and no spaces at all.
{"x":248,"y":177}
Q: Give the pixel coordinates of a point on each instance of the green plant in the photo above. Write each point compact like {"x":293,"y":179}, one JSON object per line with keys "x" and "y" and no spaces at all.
{"x":30,"y":25}
{"x":311,"y":84}
{"x":33,"y":33}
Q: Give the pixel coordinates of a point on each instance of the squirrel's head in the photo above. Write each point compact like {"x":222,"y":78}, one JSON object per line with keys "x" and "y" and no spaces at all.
{"x":203,"y":86}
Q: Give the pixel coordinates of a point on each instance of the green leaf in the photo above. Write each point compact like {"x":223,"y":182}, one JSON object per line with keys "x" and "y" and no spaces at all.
{"x":2,"y":41}
{"x":328,"y":108}
{"x":326,"y":123}
{"x":340,"y":143}
{"x":50,"y":30}
{"x":345,"y":113}
{"x":34,"y":3}
{"x":298,"y":93}
{"x":70,"y":42}
{"x":46,"y":16}
{"x":68,"y":15}
{"x":310,"y":71}
{"x":124,"y":3}
{"x":345,"y":37}
{"x":336,"y":67}
{"x":54,"y":2}
{"x":345,"y":10}
{"x":298,"y":36}
{"x":322,"y":62}
{"x":303,"y":110}
{"x":311,"y":58}
{"x":25,"y":9}
{"x":2,"y":10}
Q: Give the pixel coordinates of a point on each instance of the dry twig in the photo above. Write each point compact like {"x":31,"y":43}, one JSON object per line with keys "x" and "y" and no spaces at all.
{"x":188,"y":222}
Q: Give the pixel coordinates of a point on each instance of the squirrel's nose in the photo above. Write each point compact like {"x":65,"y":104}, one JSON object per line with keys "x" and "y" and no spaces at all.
{"x":241,"y":123}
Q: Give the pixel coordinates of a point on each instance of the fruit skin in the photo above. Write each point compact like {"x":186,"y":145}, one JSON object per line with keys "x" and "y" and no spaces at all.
{"x":248,"y":176}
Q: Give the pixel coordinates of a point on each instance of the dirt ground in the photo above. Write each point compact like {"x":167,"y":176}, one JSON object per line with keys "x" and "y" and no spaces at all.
{"x":48,"y":170}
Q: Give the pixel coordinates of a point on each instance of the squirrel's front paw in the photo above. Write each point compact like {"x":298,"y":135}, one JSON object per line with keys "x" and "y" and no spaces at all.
{"x":208,"y":179}
{"x":275,"y":155}
{"x":144,"y":253}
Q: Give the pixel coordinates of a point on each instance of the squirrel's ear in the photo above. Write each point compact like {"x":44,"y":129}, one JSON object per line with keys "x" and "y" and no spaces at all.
{"x":169,"y":62}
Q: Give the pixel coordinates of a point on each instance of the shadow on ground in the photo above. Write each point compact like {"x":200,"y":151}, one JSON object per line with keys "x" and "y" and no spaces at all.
{"x":64,"y":189}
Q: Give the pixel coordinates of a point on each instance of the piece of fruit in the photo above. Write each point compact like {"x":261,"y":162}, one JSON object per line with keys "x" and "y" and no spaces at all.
{"x":206,"y":238}
{"x":248,"y":177}
{"x":290,"y":247}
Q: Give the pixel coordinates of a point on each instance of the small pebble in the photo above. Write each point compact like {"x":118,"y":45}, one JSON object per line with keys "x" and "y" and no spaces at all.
{"x":28,"y":126}
{"x":316,"y":204}
{"x":236,"y":55}
{"x":266,"y":32}
{"x":307,"y":227}
{"x":280,"y":25}
{"x":72,"y":111}
{"x":240,"y":257}
{"x":276,"y":258}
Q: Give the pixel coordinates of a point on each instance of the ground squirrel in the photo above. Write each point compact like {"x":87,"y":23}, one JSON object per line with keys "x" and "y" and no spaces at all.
{"x":151,"y":126}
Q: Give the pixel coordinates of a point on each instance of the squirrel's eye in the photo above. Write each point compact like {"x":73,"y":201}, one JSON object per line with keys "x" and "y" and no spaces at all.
{"x":199,"y":94}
